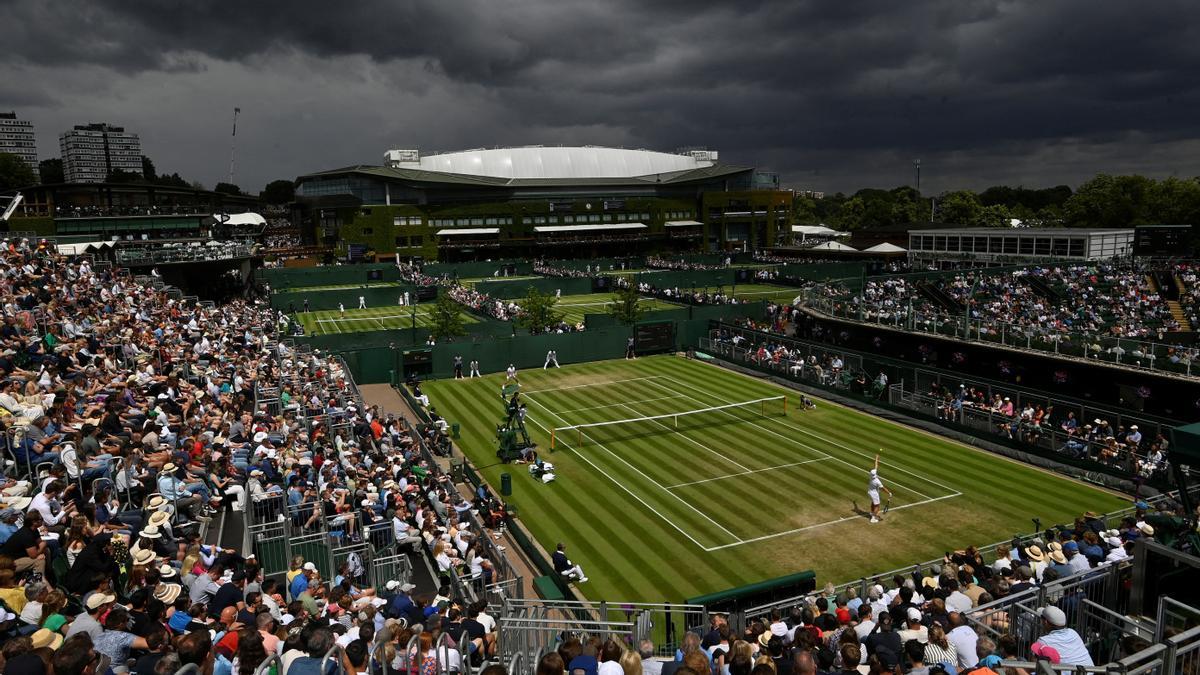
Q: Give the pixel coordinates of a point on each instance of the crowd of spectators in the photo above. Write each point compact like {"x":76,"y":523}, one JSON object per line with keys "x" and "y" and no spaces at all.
{"x":68,"y":211}
{"x":133,"y":419}
{"x":1100,"y":300}
{"x":1126,"y":448}
{"x":925,"y":621}
{"x":658,"y":262}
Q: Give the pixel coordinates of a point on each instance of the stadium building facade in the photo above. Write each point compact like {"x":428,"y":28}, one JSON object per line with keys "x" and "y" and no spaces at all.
{"x":542,"y":201}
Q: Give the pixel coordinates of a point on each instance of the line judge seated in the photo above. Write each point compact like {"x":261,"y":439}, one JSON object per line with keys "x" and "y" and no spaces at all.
{"x":564,"y":566}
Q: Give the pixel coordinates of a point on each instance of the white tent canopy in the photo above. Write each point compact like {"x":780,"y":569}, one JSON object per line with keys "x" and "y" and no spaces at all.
{"x":247,"y":218}
{"x":833,"y":246}
{"x":818,"y":231}
{"x":83,"y":247}
{"x":885,"y":247}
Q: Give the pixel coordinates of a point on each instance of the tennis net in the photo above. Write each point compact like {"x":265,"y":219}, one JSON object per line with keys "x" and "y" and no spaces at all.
{"x":633,"y":427}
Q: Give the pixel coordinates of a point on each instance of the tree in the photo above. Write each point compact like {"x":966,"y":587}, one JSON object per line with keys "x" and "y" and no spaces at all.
{"x":537,"y":311}
{"x":961,"y":207}
{"x":446,"y":319}
{"x":14,"y":172}
{"x":197,"y":185}
{"x":174,"y":180}
{"x":123,"y":176}
{"x":51,"y":171}
{"x":278,"y":192}
{"x":148,"y":169}
{"x":1109,"y":201}
{"x":627,"y":307}
{"x":227,"y":189}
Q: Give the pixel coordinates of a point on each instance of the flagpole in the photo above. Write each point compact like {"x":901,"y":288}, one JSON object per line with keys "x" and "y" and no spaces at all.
{"x":233,"y":144}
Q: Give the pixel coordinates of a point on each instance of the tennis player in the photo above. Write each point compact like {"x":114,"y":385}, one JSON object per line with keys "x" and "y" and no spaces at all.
{"x":873,"y":487}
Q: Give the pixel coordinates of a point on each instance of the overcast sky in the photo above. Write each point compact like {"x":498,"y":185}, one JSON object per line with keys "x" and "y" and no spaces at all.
{"x":834,"y":95}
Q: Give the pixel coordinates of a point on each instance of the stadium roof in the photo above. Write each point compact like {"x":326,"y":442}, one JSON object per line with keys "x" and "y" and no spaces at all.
{"x":545,"y":167}
{"x":558,"y":162}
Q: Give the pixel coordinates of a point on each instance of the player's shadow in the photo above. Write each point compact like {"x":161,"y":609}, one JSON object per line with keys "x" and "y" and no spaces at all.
{"x":857,"y":511}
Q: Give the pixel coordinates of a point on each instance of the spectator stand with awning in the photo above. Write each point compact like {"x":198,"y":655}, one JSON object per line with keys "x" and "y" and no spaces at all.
{"x":571,"y":229}
{"x":598,"y":233}
{"x":886,"y":249}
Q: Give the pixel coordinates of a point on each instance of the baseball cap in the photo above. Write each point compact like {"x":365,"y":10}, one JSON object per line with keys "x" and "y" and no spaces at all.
{"x":1071,"y":546}
{"x":406,"y":588}
{"x":310,"y":567}
{"x":1054,"y":616}
{"x":96,"y":599}
{"x":914,"y":614}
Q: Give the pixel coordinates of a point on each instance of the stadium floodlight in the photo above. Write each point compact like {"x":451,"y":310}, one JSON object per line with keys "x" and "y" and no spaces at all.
{"x":758,"y":406}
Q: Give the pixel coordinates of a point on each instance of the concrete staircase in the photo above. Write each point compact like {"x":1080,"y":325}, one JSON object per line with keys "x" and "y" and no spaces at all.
{"x":1185,"y":325}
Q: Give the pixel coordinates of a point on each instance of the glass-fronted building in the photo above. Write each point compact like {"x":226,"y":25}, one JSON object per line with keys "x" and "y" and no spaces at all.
{"x":999,"y":246}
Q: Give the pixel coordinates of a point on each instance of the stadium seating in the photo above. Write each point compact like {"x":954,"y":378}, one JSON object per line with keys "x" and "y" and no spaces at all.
{"x":185,"y":490}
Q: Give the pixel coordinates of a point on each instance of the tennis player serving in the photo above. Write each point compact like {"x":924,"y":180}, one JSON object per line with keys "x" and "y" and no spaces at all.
{"x":873,"y":488}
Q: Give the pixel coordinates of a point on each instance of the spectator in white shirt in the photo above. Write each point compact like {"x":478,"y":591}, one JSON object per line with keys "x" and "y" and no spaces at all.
{"x":964,"y":638}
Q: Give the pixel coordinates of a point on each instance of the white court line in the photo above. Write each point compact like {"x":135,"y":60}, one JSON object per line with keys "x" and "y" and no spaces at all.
{"x":369,"y":318}
{"x":691,"y":440}
{"x":788,"y":438}
{"x":744,"y":473}
{"x":614,"y":405}
{"x":825,"y":524}
{"x":861,"y":454}
{"x":623,"y":487}
{"x":593,"y":384}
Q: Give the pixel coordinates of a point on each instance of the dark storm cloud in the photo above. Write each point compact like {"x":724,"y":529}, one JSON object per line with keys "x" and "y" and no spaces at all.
{"x":832,"y":94}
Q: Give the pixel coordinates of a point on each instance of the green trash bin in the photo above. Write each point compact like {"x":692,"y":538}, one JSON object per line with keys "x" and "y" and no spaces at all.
{"x":454,"y":430}
{"x":456,"y":469}
{"x":506,"y":484}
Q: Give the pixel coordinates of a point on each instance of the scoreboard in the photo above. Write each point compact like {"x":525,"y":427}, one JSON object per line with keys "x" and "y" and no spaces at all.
{"x":1162,"y":241}
{"x":658,"y":336}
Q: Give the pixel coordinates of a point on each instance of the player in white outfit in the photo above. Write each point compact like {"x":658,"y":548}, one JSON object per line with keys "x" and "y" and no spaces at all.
{"x":874,"y":485}
{"x":511,"y":373}
{"x":362,"y":302}
{"x":551,"y":359}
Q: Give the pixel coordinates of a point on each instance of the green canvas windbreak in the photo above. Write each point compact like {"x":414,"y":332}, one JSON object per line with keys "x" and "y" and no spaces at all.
{"x":510,"y":290}
{"x":379,"y":296}
{"x":283,"y":278}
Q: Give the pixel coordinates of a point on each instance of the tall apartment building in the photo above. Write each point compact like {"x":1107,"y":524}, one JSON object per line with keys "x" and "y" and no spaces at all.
{"x":90,"y":152}
{"x":16,"y":138}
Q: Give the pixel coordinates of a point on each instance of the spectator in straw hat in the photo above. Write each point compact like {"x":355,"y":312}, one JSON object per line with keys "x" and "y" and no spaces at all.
{"x":1037,"y":560}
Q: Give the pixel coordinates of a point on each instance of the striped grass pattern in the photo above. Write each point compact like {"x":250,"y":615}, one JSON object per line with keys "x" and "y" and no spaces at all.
{"x":328,"y":321}
{"x":662,"y":514}
{"x":574,"y":307}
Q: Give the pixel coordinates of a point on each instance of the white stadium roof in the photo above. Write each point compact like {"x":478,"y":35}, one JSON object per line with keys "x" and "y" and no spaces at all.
{"x":552,"y":162}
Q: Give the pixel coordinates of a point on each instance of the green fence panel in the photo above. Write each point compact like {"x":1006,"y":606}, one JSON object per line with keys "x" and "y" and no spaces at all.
{"x":282,"y":278}
{"x":689,"y":278}
{"x":605,"y":264}
{"x":520,"y":288}
{"x":475,"y":270}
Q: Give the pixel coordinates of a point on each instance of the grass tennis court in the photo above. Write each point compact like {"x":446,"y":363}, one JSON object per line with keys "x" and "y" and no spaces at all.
{"x":653,"y":512}
{"x":343,"y":287}
{"x":390,"y":317}
{"x":471,"y":281}
{"x":574,"y":307}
